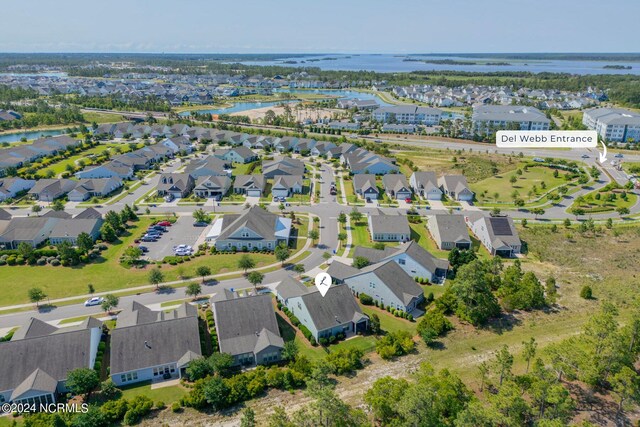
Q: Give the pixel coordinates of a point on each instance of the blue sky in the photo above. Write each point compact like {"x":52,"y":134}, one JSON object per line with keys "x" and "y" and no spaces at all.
{"x":264,"y":26}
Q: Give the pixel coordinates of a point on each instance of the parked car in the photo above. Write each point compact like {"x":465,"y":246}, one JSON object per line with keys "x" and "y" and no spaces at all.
{"x":200,"y":224}
{"x":368,"y":200}
{"x":159,"y":228}
{"x":619,"y":156}
{"x":144,"y":249}
{"x":168,"y":198}
{"x":585,"y":156}
{"x":93,"y":301}
{"x":183,"y":252}
{"x":175,"y":248}
{"x":407,"y":200}
{"x":147,"y":238}
{"x":164,"y":224}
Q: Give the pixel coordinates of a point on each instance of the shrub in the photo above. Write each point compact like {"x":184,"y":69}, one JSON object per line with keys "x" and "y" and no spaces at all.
{"x":323,"y":341}
{"x":55,"y":262}
{"x":586,"y":292}
{"x":175,"y":407}
{"x":160,"y":405}
{"x":365,"y":299}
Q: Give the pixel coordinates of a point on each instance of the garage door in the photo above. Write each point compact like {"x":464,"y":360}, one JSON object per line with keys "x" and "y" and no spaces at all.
{"x":253,"y":193}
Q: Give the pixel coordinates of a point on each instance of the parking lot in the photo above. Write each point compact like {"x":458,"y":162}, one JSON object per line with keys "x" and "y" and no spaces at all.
{"x":181,"y":233}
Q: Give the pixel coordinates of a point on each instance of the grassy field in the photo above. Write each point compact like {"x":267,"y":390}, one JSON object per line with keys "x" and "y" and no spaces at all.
{"x":475,"y":167}
{"x":421,"y":235}
{"x":107,"y":274}
{"x":102,"y":117}
{"x":591,"y":204}
{"x":631,"y":167}
{"x":243,"y":168}
{"x":500,"y":185}
{"x":60,"y":166}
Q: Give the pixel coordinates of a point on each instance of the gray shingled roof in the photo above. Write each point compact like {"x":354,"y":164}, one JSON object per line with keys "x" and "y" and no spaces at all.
{"x":55,"y":354}
{"x":395,"y":278}
{"x":338,"y":306}
{"x":152,"y":344}
{"x":249,"y":181}
{"x":256,"y":219}
{"x":341,"y":271}
{"x":364,"y":181}
{"x":374,"y":255}
{"x":449,"y":228}
{"x":246,"y":325}
{"x":390,"y":224}
{"x":37,"y":381}
{"x":290,"y":287}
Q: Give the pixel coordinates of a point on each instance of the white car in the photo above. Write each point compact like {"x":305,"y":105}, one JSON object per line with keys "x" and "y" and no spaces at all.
{"x":183,"y":252}
{"x":180,"y":247}
{"x":93,"y":301}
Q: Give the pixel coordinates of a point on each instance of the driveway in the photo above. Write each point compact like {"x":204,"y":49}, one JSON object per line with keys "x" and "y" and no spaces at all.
{"x":437,"y":204}
{"x":181,"y":233}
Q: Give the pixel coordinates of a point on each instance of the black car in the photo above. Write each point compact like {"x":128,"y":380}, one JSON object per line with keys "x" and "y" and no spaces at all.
{"x":144,"y":249}
{"x":200,"y":224}
{"x":148,"y":239}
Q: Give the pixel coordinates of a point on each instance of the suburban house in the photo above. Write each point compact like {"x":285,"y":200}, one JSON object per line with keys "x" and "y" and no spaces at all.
{"x":407,"y":114}
{"x":389,"y":228}
{"x":387,"y":283}
{"x":613,"y":124}
{"x":239,"y":154}
{"x":175,"y":184}
{"x":487,"y":118}
{"x":425,"y":185}
{"x":396,"y":186}
{"x":251,"y":185}
{"x":112,"y":169}
{"x":287,"y":185}
{"x":497,"y":234}
{"x":411,"y":257}
{"x":68,"y":230}
{"x":449,"y":231}
{"x":337,"y":312}
{"x":321,"y":148}
{"x":12,"y":187}
{"x":9,"y":115}
{"x":209,"y":166}
{"x":47,"y":190}
{"x":148,"y":345}
{"x":255,"y":228}
{"x":54,"y":225}
{"x":178,"y":144}
{"x":212,"y":186}
{"x":361,"y":161}
{"x":32,"y":230}
{"x":365,"y":186}
{"x":37,"y":360}
{"x":456,"y":187}
{"x":98,"y":187}
{"x":282,"y":166}
{"x":247,"y":328}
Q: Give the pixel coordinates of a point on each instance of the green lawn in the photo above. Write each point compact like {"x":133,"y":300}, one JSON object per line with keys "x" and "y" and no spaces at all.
{"x":421,"y":235}
{"x":60,"y":166}
{"x":389,"y":322}
{"x":107,"y":274}
{"x":101,"y":117}
{"x":500,"y":185}
{"x":168,"y":395}
{"x":243,"y":168}
{"x":592,"y":205}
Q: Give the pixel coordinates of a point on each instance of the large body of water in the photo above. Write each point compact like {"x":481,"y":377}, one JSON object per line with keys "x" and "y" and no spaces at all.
{"x":246,"y":106}
{"x":16,"y":137}
{"x":396,"y":64}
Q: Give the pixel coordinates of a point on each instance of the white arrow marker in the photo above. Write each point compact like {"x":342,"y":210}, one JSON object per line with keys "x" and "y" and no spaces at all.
{"x":603,"y":156}
{"x":323,"y":282}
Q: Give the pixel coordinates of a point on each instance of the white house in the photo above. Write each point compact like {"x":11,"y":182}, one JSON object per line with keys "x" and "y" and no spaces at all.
{"x":425,"y":185}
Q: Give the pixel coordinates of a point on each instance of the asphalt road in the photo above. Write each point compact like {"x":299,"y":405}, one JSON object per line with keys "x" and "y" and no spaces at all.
{"x":327,"y":208}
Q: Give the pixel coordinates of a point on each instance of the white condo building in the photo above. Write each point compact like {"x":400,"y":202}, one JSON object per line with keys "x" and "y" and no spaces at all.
{"x":613,"y":124}
{"x":515,"y":117}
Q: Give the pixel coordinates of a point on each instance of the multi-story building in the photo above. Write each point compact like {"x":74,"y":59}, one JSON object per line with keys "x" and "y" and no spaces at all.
{"x":488,"y":118}
{"x":407,"y":114}
{"x":613,"y":124}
